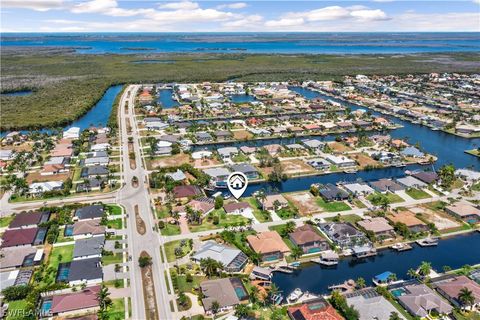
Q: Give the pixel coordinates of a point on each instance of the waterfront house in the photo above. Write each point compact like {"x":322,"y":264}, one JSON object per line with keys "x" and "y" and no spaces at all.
{"x":184,"y":192}
{"x":84,"y":301}
{"x":412,"y":152}
{"x":308,"y":239}
{"x":273,"y":149}
{"x":71,"y":133}
{"x":419,"y":300}
{"x":370,"y":304}
{"x":218,"y":176}
{"x":247,"y":169}
{"x":467,"y":174}
{"x":87,"y":228}
{"x":227,"y":292}
{"x":315,"y":309}
{"x":232,"y":259}
{"x":100,"y":147}
{"x":89,"y":212}
{"x":378,"y":226}
{"x":269,"y":245}
{"x":87,"y":271}
{"x":340,"y":162}
{"x":409,"y":219}
{"x":25,"y":220}
{"x":227,"y":153}
{"x":319,"y":163}
{"x":261,"y":273}
{"x":203,"y":137}
{"x":465,"y":211}
{"x":313,"y":144}
{"x":238,"y":208}
{"x":467,"y":128}
{"x":426,"y":177}
{"x":248,"y":150}
{"x":203,"y":207}
{"x":411,"y":182}
{"x":274,"y":202}
{"x":330,"y":192}
{"x":451,"y":285}
{"x":38,"y":188}
{"x":343,"y":234}
{"x":386,"y":185}
{"x":88,"y":248}
{"x":358,"y":189}
{"x":23,"y":237}
{"x":177,"y":175}
{"x":223,"y":135}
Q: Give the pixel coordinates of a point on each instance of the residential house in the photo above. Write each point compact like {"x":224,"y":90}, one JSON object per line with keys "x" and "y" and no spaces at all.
{"x":409,"y":219}
{"x":89,"y":212}
{"x":91,"y":184}
{"x":84,"y":301}
{"x":23,"y":237}
{"x":465,"y":211}
{"x":184,"y":192}
{"x":223,"y":135}
{"x":71,"y":133}
{"x":227,"y":153}
{"x":371,"y":305}
{"x":232,"y":259}
{"x":247,"y":169}
{"x":340,"y":162}
{"x":411,"y":182}
{"x":315,"y":309}
{"x":386,"y":185}
{"x":16,"y":257}
{"x":261,"y":273}
{"x":343,"y":234}
{"x":237,"y":208}
{"x":38,"y":188}
{"x":203,"y":137}
{"x":358,"y":189}
{"x":177,"y":175}
{"x":218,"y":176}
{"x":227,"y":292}
{"x":25,"y":220}
{"x":100,"y":147}
{"x":269,"y":245}
{"x":330,"y":192}
{"x":94,"y":171}
{"x":313,"y":144}
{"x":412,"y":152}
{"x":100,"y":161}
{"x":87,"y":228}
{"x":319,"y":163}
{"x":202,"y":206}
{"x":450,"y":287}
{"x":87,"y":271}
{"x":378,"y":226}
{"x":88,"y":248}
{"x":419,"y":300}
{"x":273,"y":149}
{"x":427,"y":177}
{"x":274,"y":202}
{"x":308,"y":239}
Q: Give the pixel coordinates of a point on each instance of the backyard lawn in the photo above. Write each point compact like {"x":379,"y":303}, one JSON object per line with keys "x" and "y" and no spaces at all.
{"x":417,"y":194}
{"x":225,"y":220}
{"x":115,"y":224}
{"x":114,"y":210}
{"x":15,"y":308}
{"x":5,"y":221}
{"x":110,"y":259}
{"x":333,"y":206}
{"x":117,"y":310}
{"x":170,"y":249}
{"x":391,"y":197}
{"x":58,"y":255}
{"x":352,"y":218}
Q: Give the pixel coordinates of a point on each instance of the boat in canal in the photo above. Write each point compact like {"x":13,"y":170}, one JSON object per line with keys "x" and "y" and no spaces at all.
{"x":328,"y":258}
{"x":427,"y":242}
{"x":295,"y":295}
{"x":401,"y":246}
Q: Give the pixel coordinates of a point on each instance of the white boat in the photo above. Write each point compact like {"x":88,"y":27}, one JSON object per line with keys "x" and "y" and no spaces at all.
{"x":401,"y":246}
{"x":329,"y":258}
{"x":295,"y":295}
{"x":428,"y":242}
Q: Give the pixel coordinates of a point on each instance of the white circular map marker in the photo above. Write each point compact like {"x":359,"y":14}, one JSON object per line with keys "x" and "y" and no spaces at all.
{"x":237,"y":183}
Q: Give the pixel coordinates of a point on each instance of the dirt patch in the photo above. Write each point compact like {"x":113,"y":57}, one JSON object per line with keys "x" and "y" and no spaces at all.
{"x":141,"y":228}
{"x":37,"y":177}
{"x":439,"y":219}
{"x":304,"y":201}
{"x":171,"y":161}
{"x":149,"y":297}
{"x":129,"y":127}
{"x":242,"y":135}
{"x":363,"y":160}
{"x":339,"y":147}
{"x":296,"y":167}
{"x":131,"y":156}
{"x":135,"y":182}
{"x":206,"y":162}
{"x":265,"y":170}
{"x":26,"y":146}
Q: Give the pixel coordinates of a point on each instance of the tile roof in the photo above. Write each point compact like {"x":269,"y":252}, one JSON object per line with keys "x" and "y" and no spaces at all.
{"x":84,"y":299}
{"x":267,"y":242}
{"x":305,"y":234}
{"x":18,"y":237}
{"x":317,"y":309}
{"x":26,"y":219}
{"x":88,"y":227}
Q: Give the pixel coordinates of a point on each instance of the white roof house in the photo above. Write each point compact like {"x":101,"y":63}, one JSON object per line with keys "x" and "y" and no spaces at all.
{"x":100,"y":147}
{"x":6,"y":155}
{"x":468,"y":174}
{"x":201,"y":154}
{"x":227,"y":152}
{"x":358,"y":188}
{"x":177,"y":175}
{"x":163,"y":144}
{"x":340,"y":161}
{"x":40,"y":187}
{"x":72,"y":133}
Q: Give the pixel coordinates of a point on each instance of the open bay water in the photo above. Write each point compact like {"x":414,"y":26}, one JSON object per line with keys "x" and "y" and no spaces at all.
{"x":281,"y":43}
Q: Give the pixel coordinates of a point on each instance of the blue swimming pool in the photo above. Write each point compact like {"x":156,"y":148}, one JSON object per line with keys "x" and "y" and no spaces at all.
{"x":46,"y":307}
{"x":398,"y":292}
{"x":68,"y":231}
{"x":63,"y":272}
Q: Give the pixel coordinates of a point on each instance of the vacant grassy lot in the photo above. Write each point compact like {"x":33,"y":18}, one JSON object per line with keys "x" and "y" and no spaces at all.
{"x":170,"y":249}
{"x":67,"y":85}
{"x":333,"y":206}
{"x":417,"y":194}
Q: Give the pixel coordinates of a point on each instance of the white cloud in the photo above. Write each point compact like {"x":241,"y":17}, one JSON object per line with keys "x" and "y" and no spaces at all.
{"x":107,"y":7}
{"x":476,"y":1}
{"x":183,"y":5}
{"x":249,"y":22}
{"x":370,"y":15}
{"x":285,"y":22}
{"x":38,"y":5}
{"x":236,"y":5}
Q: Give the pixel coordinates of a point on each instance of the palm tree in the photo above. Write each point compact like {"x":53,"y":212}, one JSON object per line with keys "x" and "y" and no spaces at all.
{"x":465,"y":296}
{"x":215,"y":308}
{"x":256,"y":257}
{"x":289,"y":227}
{"x":360,"y":283}
{"x":254,"y":294}
{"x":209,"y":266}
{"x":296,"y":252}
{"x":104,"y":302}
{"x":412,"y":273}
{"x":392,"y":277}
{"x":241,"y":311}
{"x":425,"y":268}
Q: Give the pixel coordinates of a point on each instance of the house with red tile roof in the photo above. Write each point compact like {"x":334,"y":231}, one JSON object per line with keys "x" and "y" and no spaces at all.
{"x":450,"y":288}
{"x":19,"y":237}
{"x":317,"y":309}
{"x":85,"y":301}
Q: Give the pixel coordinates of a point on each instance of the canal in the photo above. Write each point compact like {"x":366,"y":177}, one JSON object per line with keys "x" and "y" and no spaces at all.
{"x":453,"y":252}
{"x":165,"y":98}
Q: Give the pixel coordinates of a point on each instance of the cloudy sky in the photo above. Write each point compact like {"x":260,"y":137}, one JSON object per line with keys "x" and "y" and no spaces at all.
{"x":224,"y":16}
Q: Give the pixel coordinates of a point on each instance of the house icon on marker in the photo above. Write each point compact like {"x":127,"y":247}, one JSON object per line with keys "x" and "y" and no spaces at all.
{"x":237,"y":182}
